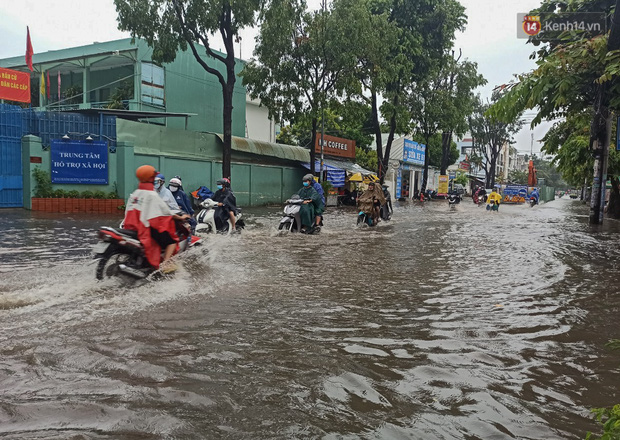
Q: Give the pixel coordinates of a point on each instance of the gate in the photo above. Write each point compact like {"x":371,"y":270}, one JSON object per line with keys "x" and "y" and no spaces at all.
{"x":11,"y":131}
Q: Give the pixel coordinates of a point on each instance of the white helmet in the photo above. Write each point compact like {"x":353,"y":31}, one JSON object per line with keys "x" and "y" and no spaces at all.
{"x":175,"y":182}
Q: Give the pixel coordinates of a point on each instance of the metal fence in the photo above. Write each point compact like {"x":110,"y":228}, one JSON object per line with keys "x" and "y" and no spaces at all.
{"x":16,"y":122}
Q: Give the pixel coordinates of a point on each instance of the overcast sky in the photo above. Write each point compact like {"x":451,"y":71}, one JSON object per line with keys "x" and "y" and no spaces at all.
{"x":489,"y":40}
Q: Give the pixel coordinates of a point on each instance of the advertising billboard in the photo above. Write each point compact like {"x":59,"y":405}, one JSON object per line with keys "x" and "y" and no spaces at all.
{"x":335,"y":146}
{"x":413,"y":152}
{"x":14,"y":85}
{"x":84,"y":162}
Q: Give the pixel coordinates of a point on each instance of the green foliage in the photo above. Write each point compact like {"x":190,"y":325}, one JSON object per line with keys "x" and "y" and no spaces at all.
{"x":434,"y":148}
{"x":87,"y":195}
{"x":462,"y":179}
{"x":73,"y":95}
{"x":122,"y":93}
{"x":170,"y":25}
{"x":517,"y":177}
{"x":366,"y":159}
{"x":490,"y":133}
{"x":42,"y":183}
{"x":73,"y":194}
{"x":99,"y":195}
{"x":327,"y":186}
{"x":59,"y":194}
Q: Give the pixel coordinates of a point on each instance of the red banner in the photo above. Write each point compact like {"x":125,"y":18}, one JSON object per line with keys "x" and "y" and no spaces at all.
{"x":14,"y":85}
{"x":335,"y":146}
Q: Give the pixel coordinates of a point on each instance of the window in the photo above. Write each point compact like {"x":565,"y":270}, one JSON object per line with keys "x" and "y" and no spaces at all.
{"x":153,"y":84}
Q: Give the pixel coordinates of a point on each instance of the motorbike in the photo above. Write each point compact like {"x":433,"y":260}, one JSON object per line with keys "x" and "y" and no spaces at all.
{"x":364,"y":219}
{"x":121,"y":255}
{"x":453,"y":200}
{"x":206,"y":219}
{"x":291,"y":221}
{"x":479,"y":200}
{"x":385,"y":212}
{"x":532,"y":201}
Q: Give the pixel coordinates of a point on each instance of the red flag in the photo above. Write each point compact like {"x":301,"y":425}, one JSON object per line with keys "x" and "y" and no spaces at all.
{"x":29,"y":50}
{"x":47,"y":83}
{"x":59,"y":85}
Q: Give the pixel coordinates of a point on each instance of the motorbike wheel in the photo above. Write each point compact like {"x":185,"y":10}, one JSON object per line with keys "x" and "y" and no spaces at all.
{"x":286,"y":226}
{"x":107,"y":267}
{"x":361,"y":219}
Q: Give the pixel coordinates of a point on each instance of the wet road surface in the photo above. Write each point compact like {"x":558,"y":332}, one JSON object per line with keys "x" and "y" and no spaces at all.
{"x":435,"y":325}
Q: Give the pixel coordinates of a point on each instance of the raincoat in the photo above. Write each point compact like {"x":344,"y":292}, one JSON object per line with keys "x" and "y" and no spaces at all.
{"x":167,"y":197}
{"x":494,"y":197}
{"x":222,"y":213}
{"x":308,"y":212}
{"x":146,"y":210}
{"x":319,"y":188}
{"x":365,"y":202}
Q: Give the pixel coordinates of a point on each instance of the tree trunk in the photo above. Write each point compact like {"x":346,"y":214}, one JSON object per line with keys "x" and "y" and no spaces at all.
{"x":228,"y":108}
{"x":613,"y":207}
{"x":388,"y":146}
{"x":425,"y":173}
{"x":446,"y":141}
{"x":376,"y":125}
{"x":601,"y":153}
{"x":491,"y":172}
{"x":315,"y":123}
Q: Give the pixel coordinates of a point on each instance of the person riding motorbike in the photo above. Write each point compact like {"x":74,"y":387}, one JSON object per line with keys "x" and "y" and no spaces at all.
{"x":371,"y":201}
{"x":164,"y":192}
{"x":227,"y":204}
{"x":319,"y":212}
{"x":151,"y":217}
{"x":176,"y":188}
{"x":534,"y":195}
{"x":312,"y":205}
{"x":494,"y":200}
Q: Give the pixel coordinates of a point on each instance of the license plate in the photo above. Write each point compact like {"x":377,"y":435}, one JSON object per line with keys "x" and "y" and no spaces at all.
{"x":100,"y":247}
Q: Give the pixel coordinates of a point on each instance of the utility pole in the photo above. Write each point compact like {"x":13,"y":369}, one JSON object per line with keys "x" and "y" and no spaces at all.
{"x":600,"y":131}
{"x":323,"y":107}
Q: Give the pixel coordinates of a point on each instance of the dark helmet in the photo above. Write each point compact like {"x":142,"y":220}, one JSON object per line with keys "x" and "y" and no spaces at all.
{"x":224,"y":182}
{"x":308,"y":177}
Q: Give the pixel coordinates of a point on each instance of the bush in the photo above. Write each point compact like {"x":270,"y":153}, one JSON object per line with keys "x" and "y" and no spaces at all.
{"x":87,"y":195}
{"x":60,"y":194}
{"x":73,"y":194}
{"x":42,"y":183}
{"x":99,"y":195}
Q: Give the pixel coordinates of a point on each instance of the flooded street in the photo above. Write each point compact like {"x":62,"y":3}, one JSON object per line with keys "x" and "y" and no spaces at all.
{"x":435,"y":325}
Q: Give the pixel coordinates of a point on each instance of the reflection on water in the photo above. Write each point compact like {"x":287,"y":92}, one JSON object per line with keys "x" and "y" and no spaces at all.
{"x":436,"y":325}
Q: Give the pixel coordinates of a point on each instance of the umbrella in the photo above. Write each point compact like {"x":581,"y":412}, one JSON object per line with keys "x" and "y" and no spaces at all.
{"x":357,"y":177}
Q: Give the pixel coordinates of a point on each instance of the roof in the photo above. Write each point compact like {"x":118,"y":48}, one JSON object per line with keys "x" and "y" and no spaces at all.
{"x":263,"y":148}
{"x":133,"y":115}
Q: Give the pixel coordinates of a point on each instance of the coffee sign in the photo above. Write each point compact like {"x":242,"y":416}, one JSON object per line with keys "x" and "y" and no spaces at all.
{"x":335,"y":146}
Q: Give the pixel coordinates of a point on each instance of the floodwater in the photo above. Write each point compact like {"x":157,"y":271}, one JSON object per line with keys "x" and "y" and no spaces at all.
{"x":435,"y":325}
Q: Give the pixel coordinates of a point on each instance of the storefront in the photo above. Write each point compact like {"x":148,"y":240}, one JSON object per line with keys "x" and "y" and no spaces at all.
{"x":410,"y":170}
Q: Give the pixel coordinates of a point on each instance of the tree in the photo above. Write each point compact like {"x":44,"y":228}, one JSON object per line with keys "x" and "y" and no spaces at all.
{"x":489,"y":134}
{"x":300,"y":60}
{"x":394,"y":43}
{"x":517,"y":177}
{"x":170,"y":25}
{"x":442,"y":102}
{"x":573,"y":76}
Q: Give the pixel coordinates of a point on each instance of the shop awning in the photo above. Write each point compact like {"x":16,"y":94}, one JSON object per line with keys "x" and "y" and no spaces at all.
{"x":335,"y":175}
{"x":262,"y":148}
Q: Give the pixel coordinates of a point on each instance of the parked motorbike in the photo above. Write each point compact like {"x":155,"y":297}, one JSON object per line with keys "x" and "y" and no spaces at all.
{"x":121,"y":255}
{"x":385,"y":211}
{"x":291,"y":221}
{"x":206,"y":220}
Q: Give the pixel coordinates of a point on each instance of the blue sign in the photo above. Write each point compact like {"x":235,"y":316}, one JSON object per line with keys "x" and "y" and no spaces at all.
{"x":399,"y":184}
{"x":451,"y":175}
{"x":84,"y":162}
{"x":413,"y":152}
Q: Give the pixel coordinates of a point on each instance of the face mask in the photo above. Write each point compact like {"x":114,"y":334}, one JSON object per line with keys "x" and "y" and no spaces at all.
{"x":157,"y":185}
{"x":173,"y":188}
{"x":306,"y":183}
{"x":220,"y":187}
